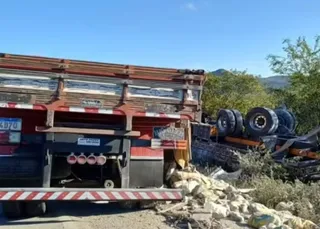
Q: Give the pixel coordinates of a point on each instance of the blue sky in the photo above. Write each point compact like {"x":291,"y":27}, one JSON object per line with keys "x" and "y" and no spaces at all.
{"x":208,"y":34}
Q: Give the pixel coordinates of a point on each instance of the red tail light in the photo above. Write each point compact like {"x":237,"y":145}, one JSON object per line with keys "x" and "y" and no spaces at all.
{"x":91,"y":160}
{"x":82,"y":159}
{"x":101,"y":160}
{"x":72,"y":159}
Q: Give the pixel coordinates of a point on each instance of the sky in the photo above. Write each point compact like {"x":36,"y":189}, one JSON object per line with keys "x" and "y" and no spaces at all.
{"x":206,"y":34}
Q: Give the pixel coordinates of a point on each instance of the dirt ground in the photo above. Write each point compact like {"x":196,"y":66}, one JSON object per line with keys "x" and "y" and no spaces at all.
{"x":89,"y":215}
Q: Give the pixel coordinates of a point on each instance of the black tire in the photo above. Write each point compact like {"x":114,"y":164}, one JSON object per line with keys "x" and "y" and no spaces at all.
{"x":226,"y":122}
{"x":34,"y":209}
{"x":239,"y":123}
{"x":287,"y":121}
{"x":13,"y":210}
{"x":261,"y":121}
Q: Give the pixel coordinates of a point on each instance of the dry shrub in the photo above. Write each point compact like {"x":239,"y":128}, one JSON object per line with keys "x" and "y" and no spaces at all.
{"x":268,"y":179}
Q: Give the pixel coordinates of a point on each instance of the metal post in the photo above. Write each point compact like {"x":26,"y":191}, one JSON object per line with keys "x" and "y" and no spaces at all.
{"x":125,"y":172}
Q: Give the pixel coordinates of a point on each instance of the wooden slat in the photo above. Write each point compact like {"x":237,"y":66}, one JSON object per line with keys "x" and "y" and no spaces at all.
{"x":86,"y":131}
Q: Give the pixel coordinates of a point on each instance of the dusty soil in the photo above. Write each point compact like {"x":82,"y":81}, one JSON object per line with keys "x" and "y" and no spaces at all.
{"x":89,"y":215}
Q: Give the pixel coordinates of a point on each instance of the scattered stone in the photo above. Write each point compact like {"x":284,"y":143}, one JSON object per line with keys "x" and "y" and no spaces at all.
{"x":206,"y":217}
{"x":218,"y":211}
{"x":234,"y":206}
{"x":198,"y":190}
{"x":256,"y":207}
{"x":231,"y":189}
{"x":209,"y":200}
{"x":298,"y":223}
{"x":236,"y":216}
{"x":258,"y":220}
{"x":283,"y":206}
{"x":191,"y":185}
{"x":243,"y":208}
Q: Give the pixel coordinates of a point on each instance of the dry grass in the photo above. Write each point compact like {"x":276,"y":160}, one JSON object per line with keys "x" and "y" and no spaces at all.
{"x":268,"y":178}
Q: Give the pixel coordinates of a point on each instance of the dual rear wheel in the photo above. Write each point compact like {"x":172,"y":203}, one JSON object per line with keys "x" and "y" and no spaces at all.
{"x":18,"y":209}
{"x":259,"y":121}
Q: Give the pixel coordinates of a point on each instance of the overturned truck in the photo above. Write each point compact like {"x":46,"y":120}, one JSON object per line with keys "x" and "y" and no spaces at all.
{"x":76,"y":130}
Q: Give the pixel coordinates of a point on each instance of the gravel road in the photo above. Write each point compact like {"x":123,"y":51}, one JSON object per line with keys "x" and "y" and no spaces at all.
{"x":79,"y":215}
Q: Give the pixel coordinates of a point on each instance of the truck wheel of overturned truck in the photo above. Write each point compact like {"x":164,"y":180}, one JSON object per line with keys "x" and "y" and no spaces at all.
{"x":287,"y":121}
{"x":36,"y":208}
{"x":13,"y":210}
{"x":261,"y":121}
{"x":239,"y":123}
{"x":226,"y":122}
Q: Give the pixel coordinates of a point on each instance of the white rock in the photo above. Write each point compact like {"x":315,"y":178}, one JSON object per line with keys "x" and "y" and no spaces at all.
{"x":198,"y":190}
{"x":206,"y":217}
{"x":234,"y":206}
{"x":263,"y":227}
{"x":247,"y":197}
{"x":231,"y":189}
{"x":236,"y":216}
{"x":219,"y":193}
{"x":283,"y":206}
{"x":284,"y":215}
{"x":256,"y":207}
{"x":271,"y":226}
{"x":218,"y":211}
{"x":243,"y":208}
{"x":179,"y":184}
{"x":191,"y":185}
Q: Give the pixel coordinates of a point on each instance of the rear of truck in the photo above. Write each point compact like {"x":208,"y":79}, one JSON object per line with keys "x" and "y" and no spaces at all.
{"x":76,"y":130}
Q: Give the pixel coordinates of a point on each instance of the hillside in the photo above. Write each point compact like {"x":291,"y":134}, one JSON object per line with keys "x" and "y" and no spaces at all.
{"x":277,"y":81}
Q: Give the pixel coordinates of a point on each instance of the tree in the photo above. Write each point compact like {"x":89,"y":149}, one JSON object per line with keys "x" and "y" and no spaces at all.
{"x":234,"y":90}
{"x":301,"y":57}
{"x":302,"y":65}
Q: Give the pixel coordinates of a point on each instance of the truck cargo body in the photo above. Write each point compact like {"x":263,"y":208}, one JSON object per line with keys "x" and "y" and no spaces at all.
{"x":77,"y":124}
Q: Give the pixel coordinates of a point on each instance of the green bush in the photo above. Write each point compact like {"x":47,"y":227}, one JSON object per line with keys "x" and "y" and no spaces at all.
{"x":268,"y":179}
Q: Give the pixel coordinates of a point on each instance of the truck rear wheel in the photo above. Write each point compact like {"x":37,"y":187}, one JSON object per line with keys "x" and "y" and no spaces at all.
{"x":13,"y":210}
{"x":36,"y":208}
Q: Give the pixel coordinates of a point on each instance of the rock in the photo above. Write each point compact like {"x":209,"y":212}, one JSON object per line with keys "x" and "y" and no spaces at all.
{"x":299,"y":223}
{"x":247,"y":197}
{"x":198,"y":190}
{"x":218,"y":211}
{"x":234,"y":206}
{"x":202,"y":217}
{"x":256,"y":207}
{"x":285,"y":227}
{"x":283,"y":206}
{"x":236,"y":216}
{"x":259,"y":220}
{"x":180,"y":184}
{"x":271,"y":226}
{"x":243,"y":208}
{"x":239,"y":198}
{"x":230,"y":189}
{"x":208,"y":195}
{"x":284,"y":215}
{"x":191,"y":185}
{"x":219,"y":193}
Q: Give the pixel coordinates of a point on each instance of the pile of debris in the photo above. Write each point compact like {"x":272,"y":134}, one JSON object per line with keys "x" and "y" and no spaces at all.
{"x":209,"y":201}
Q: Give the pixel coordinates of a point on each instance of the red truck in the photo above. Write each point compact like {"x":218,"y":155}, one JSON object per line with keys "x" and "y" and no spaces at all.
{"x":86,"y":131}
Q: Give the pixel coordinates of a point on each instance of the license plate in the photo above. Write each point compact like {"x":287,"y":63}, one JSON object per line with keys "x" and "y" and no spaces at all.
{"x":89,"y":141}
{"x":10,"y":124}
{"x":9,"y":137}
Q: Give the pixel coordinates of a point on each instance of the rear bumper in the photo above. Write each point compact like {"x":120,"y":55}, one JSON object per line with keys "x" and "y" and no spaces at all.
{"x":76,"y":194}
